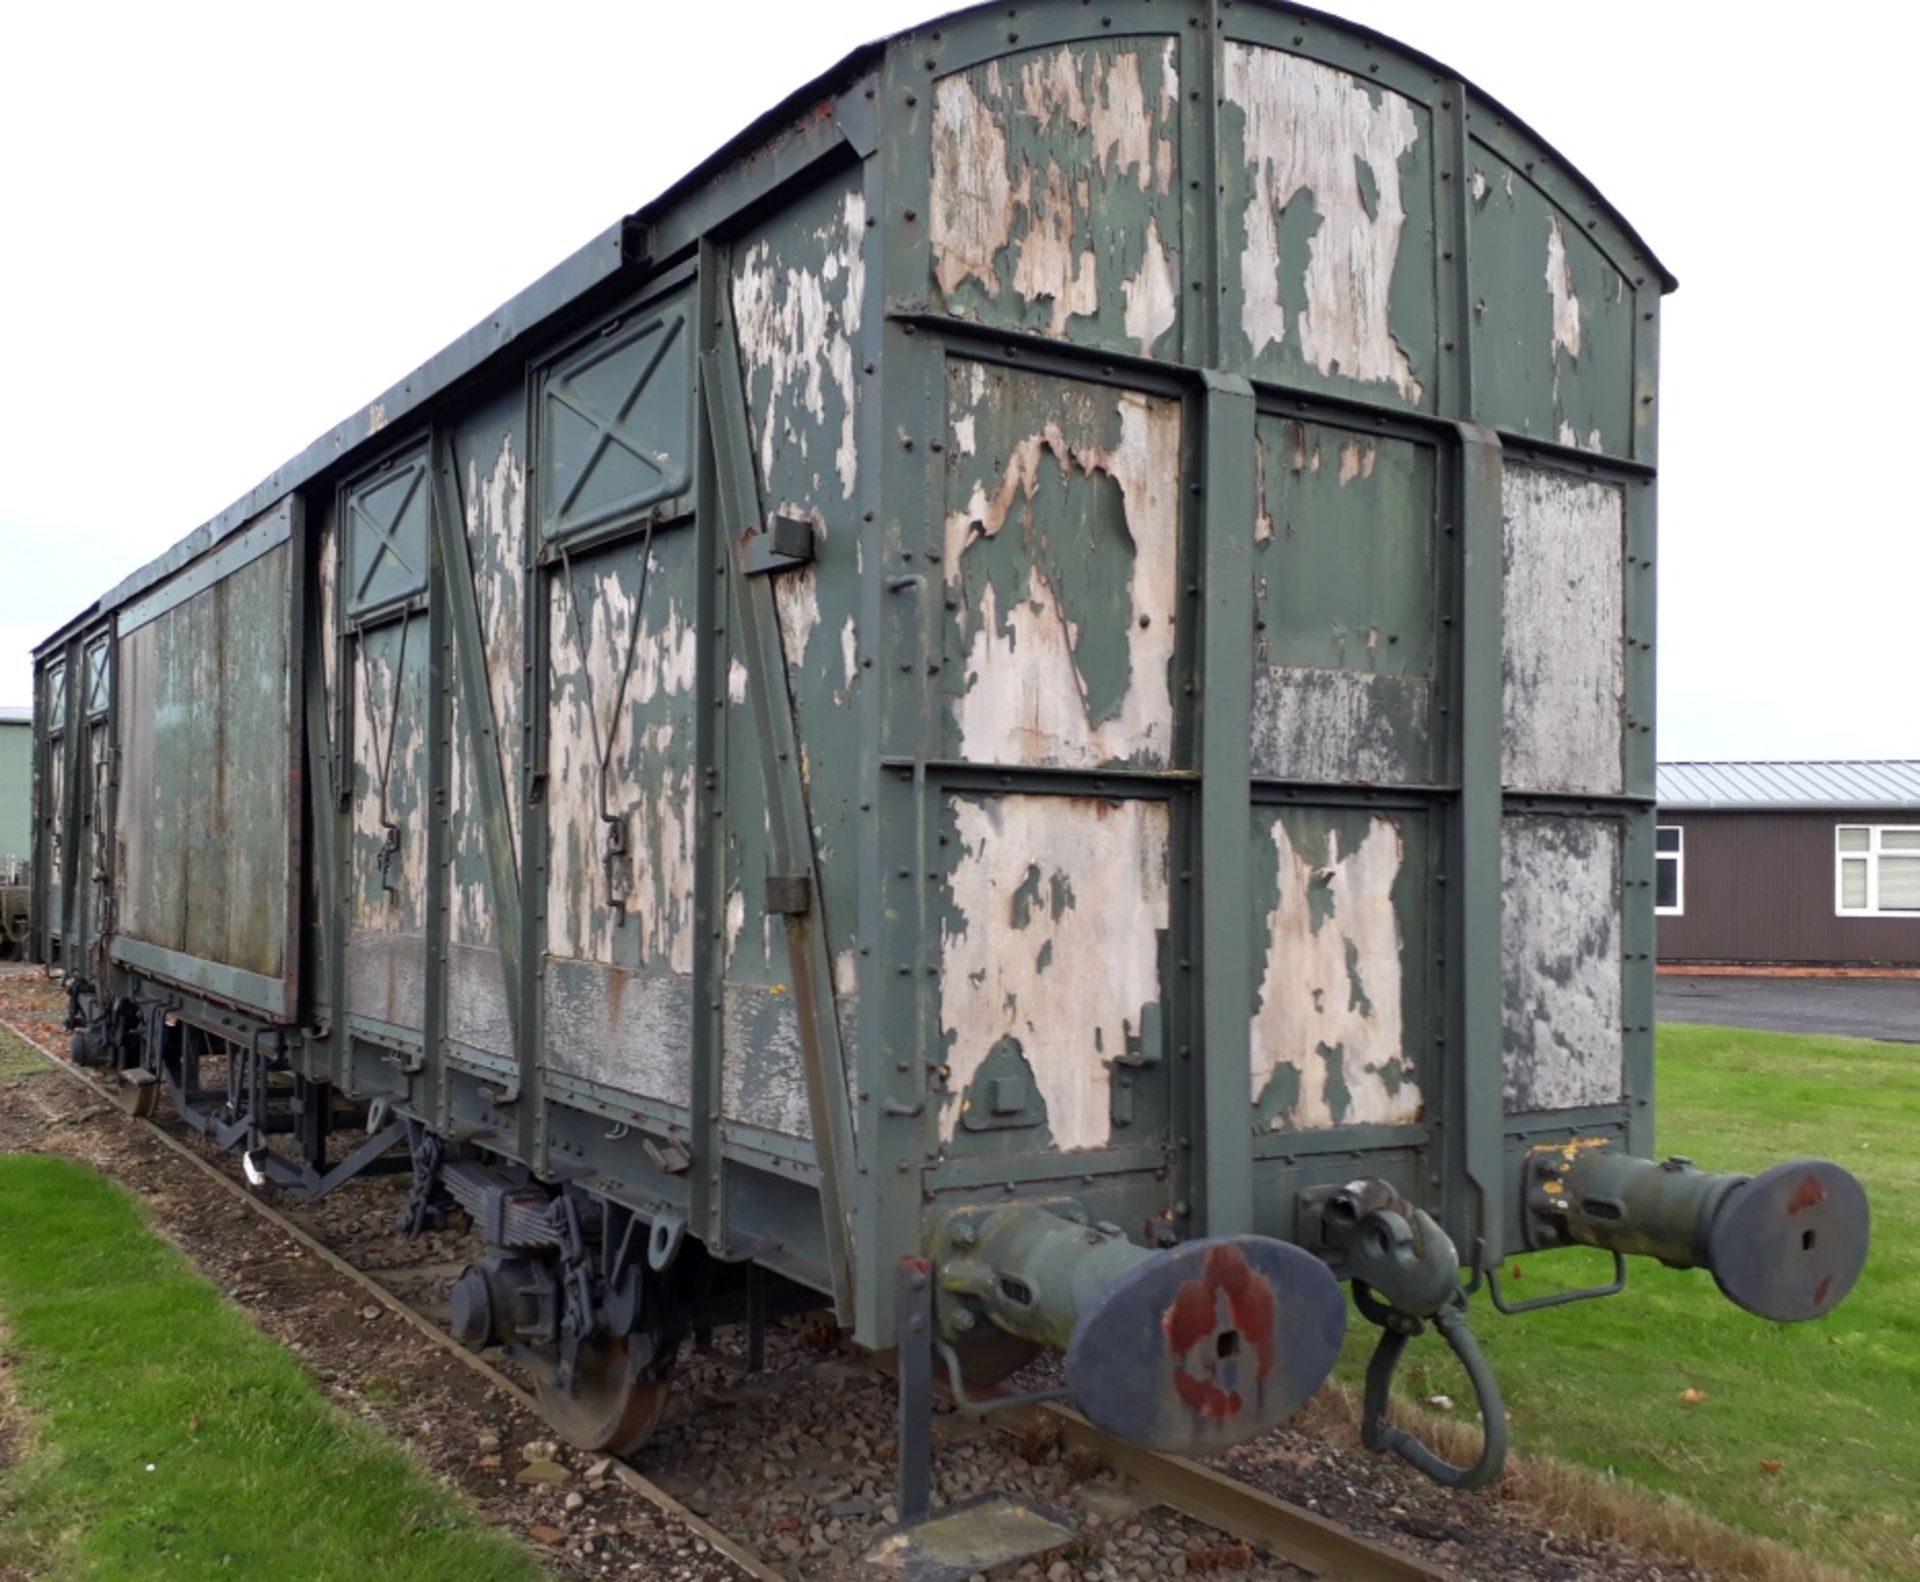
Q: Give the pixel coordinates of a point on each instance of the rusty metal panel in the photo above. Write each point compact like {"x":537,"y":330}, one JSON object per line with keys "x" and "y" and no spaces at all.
{"x":1563,"y":667}
{"x":1050,"y":964}
{"x":1327,"y":277}
{"x":1562,"y":960}
{"x":205,"y":728}
{"x":1056,"y":201}
{"x":1553,"y":318}
{"x":1062,"y":566}
{"x":1339,"y":1020}
{"x":1346,"y":605}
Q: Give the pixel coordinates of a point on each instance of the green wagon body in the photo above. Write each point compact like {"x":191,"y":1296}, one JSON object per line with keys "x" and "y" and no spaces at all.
{"x":1108,"y":556}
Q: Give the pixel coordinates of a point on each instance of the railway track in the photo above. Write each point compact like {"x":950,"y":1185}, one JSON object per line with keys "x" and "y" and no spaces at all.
{"x":1289,"y":1533}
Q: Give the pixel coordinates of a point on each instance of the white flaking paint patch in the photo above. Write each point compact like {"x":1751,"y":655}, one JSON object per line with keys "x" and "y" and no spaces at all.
{"x":798,"y":326}
{"x":1344,"y":727}
{"x":1357,"y":458}
{"x":1048,"y":265}
{"x":796,"y":602}
{"x":1308,"y":127}
{"x":496,"y":527}
{"x":1563,"y":633}
{"x":1152,"y":294}
{"x":972,"y":217}
{"x":1122,"y":131}
{"x":1566,"y":305}
{"x":1568,"y":435}
{"x":657,"y":802}
{"x":376,"y":417}
{"x":1312,"y":996}
{"x":1024,"y":699}
{"x":736,"y":919}
{"x":963,"y":441}
{"x":1560,"y":949}
{"x":375,"y":732}
{"x":329,"y":596}
{"x":1071,"y":988}
{"x":849,"y":657}
{"x":736,"y":683}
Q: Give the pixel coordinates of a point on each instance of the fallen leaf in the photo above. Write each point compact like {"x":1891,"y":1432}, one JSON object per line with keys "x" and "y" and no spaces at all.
{"x":546,"y":1535}
{"x":1771,"y":1466}
{"x":1693,"y":1397}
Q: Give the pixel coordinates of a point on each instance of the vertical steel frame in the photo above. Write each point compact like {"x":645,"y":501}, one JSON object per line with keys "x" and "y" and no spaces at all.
{"x":1226,"y":695}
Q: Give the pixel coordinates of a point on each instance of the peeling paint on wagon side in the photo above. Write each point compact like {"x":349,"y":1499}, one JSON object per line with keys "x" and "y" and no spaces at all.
{"x":1058,"y":905}
{"x":1553,"y":317}
{"x":797,"y":316}
{"x":1329,"y":1035}
{"x":1346,"y":606}
{"x":1561,"y":950}
{"x":1563,"y":667}
{"x":1055,"y":203}
{"x":390,"y":734}
{"x":1323,"y":154}
{"x":648,"y":736}
{"x":1061,"y":549}
{"x":496,"y":506}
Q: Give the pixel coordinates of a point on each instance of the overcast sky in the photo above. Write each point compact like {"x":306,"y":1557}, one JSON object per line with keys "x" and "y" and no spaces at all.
{"x":223,"y":228}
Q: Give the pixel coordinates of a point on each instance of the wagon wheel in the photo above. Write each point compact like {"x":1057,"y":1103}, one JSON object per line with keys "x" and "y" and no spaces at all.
{"x":137,"y":1093}
{"x":606,"y":1411}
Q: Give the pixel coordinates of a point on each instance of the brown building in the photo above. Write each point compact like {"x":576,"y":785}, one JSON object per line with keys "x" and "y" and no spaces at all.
{"x":1806,"y":863}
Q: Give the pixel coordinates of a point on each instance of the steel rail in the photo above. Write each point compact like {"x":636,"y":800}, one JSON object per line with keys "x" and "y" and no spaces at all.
{"x":1285,"y":1531}
{"x":1288,"y":1532}
{"x":648,"y":1490}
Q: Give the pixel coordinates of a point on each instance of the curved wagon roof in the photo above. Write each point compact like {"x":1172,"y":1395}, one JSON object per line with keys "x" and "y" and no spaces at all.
{"x":837,"y":107}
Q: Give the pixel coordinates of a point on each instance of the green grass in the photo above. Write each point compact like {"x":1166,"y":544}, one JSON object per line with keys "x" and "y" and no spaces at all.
{"x":168,"y":1437}
{"x":1835,"y":1402}
{"x":18,"y":1058}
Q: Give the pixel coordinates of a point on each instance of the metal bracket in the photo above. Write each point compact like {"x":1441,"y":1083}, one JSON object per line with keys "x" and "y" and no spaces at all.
{"x":785,"y":545}
{"x":789,"y":894}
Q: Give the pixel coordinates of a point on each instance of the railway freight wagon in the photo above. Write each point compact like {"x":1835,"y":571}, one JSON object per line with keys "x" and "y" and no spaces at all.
{"x":1023,"y":710}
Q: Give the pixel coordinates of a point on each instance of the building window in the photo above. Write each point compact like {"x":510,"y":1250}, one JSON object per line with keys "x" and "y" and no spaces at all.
{"x":1669,"y":870}
{"x":1876,"y":870}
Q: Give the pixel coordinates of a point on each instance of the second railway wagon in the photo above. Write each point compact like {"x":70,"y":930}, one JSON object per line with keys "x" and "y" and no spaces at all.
{"x":1023,"y":710}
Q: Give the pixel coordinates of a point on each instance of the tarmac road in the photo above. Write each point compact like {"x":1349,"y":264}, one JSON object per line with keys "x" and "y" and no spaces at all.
{"x":1885,"y":1008}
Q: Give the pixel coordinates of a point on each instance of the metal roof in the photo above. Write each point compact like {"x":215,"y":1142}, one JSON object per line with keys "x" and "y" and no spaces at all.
{"x":1818,"y":783}
{"x":12,"y":715}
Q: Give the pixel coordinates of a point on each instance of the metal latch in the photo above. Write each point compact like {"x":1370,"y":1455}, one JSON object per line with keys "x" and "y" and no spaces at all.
{"x":787,"y":543}
{"x":390,"y":861}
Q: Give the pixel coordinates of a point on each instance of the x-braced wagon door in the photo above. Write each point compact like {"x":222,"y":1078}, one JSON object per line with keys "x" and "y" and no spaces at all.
{"x":382,"y":698}
{"x":612,"y":853}
{"x":93,"y":870}
{"x":51,"y":809}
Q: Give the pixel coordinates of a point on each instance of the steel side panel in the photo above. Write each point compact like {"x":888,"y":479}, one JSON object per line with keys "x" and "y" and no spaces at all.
{"x":206,"y":733}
